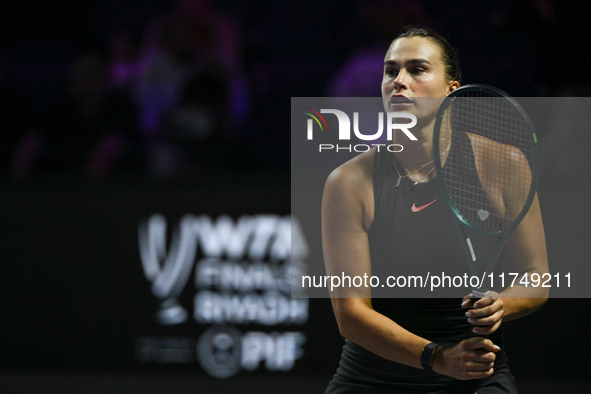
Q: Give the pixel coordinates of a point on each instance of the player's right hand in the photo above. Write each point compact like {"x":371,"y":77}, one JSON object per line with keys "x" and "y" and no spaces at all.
{"x":472,"y":358}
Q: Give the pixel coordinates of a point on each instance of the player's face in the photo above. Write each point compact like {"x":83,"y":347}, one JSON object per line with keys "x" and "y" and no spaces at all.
{"x":414,"y":68}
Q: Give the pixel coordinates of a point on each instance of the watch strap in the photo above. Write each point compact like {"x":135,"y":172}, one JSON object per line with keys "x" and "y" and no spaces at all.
{"x":427,"y":356}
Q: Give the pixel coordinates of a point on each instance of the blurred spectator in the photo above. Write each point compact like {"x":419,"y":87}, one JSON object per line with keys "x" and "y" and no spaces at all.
{"x":191,"y":87}
{"x":20,"y":143}
{"x":361,"y":75}
{"x":93,"y":130}
{"x":124,"y":66}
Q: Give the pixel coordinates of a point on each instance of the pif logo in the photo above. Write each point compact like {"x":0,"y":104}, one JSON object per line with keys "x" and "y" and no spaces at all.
{"x":344,"y":133}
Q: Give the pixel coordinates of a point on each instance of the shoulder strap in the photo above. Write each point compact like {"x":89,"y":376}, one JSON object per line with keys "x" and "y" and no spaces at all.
{"x":383,"y":174}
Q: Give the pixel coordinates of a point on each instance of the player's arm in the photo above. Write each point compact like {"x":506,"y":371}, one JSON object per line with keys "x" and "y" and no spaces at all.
{"x":526,"y":246}
{"x":346,"y":250}
{"x":526,"y":250}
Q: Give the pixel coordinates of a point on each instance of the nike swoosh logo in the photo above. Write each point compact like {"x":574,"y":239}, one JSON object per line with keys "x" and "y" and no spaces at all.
{"x":417,"y":209}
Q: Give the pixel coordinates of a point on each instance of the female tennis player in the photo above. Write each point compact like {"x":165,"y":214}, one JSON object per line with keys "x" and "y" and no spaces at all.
{"x":385,"y":209}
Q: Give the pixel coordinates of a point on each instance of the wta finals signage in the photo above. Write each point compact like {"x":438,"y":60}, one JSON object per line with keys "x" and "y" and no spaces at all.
{"x":243,"y":271}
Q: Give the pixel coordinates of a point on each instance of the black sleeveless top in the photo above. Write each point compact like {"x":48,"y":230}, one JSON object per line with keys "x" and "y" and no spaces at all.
{"x":413,"y":233}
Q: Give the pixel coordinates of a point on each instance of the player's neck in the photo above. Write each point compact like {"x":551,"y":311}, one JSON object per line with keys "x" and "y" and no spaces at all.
{"x":415,"y":154}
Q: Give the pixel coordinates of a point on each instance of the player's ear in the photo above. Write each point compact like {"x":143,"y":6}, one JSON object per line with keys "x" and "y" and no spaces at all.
{"x":453,"y":86}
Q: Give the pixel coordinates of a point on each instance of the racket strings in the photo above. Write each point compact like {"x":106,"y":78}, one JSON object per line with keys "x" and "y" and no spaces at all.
{"x":488,"y":170}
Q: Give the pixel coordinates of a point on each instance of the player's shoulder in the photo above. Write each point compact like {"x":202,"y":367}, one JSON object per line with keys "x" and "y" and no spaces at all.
{"x":349,"y":190}
{"x":497,"y":151}
{"x":478,"y":140}
{"x":354,"y":174}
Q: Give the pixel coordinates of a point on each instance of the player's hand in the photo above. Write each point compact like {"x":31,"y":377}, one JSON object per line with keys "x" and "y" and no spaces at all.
{"x":486,"y":314}
{"x":470,"y":359}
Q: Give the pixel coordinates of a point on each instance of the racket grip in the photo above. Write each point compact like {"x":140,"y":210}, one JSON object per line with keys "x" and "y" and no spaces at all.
{"x":478,"y":294}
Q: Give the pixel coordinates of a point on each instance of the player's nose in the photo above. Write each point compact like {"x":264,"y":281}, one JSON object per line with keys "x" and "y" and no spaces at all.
{"x":401,"y":80}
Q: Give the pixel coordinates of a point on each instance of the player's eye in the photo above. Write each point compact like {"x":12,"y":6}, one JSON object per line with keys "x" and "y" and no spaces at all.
{"x":418,"y":70}
{"x":391,"y":72}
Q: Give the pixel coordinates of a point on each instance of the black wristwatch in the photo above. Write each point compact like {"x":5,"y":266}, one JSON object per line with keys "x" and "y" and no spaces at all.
{"x":427,"y":356}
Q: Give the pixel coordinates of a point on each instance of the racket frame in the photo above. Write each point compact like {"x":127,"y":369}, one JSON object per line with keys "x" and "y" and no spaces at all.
{"x":461,"y":222}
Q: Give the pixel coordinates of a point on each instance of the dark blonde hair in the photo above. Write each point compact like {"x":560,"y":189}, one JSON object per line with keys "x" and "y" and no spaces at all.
{"x":448,"y":53}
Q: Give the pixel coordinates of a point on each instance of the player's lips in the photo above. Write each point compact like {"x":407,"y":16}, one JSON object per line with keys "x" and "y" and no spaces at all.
{"x":400,"y":100}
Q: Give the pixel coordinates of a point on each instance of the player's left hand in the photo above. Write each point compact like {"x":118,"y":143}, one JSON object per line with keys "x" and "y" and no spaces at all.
{"x":486,"y":314}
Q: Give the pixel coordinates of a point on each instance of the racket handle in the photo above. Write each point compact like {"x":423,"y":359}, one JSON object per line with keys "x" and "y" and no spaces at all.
{"x":478,"y":294}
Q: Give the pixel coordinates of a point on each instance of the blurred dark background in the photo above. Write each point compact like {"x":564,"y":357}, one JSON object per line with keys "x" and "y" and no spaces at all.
{"x":113,"y":110}
{"x":164,"y":88}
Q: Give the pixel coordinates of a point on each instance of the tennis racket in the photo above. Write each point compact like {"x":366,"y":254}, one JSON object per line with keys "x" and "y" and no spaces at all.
{"x":485,"y":155}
